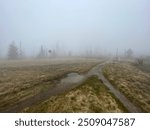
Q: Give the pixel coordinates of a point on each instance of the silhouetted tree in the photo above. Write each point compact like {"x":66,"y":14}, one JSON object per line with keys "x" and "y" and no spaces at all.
{"x":42,"y":53}
{"x":21,"y":52}
{"x":13,"y":51}
{"x":129,"y":53}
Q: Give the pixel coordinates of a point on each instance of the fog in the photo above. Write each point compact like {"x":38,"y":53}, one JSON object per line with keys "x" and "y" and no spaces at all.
{"x":75,"y":26}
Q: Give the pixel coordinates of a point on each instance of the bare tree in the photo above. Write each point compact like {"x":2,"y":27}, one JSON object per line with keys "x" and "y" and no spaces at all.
{"x":13,"y":51}
{"x":42,"y":53}
{"x":21,"y":52}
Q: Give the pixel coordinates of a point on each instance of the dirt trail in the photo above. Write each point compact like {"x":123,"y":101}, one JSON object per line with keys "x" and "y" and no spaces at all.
{"x":67,"y":84}
{"x":128,"y":104}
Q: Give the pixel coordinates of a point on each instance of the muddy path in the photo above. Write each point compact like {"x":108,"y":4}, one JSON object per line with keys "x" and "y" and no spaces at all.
{"x":64,"y":85}
{"x":68,"y":83}
{"x":120,"y":96}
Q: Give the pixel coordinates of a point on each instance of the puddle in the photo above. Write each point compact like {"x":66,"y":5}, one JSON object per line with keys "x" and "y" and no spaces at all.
{"x":73,"y":74}
{"x":72,"y":78}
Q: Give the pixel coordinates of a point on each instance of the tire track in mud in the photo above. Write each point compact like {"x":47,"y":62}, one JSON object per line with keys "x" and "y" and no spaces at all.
{"x":62,"y":86}
{"x":70,"y":82}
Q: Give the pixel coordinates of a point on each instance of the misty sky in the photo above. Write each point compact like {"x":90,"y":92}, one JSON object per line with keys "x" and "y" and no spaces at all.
{"x":76,"y":24}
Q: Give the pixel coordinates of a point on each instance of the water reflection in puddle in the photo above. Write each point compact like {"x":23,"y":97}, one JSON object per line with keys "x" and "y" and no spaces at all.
{"x":72,"y":78}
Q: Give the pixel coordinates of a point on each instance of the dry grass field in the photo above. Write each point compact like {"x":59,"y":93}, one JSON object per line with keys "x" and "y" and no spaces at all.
{"x":131,"y":80}
{"x":20,"y":80}
{"x":90,"y":96}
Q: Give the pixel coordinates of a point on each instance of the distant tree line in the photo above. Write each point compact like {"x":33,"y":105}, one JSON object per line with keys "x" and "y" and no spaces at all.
{"x":15,"y":52}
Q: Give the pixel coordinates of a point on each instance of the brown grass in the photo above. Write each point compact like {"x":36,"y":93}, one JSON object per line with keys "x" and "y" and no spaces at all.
{"x":130,"y":80}
{"x":91,"y":96}
{"x":20,"y":80}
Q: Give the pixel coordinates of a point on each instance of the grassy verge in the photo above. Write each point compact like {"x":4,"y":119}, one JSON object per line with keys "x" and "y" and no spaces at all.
{"x":131,"y":81}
